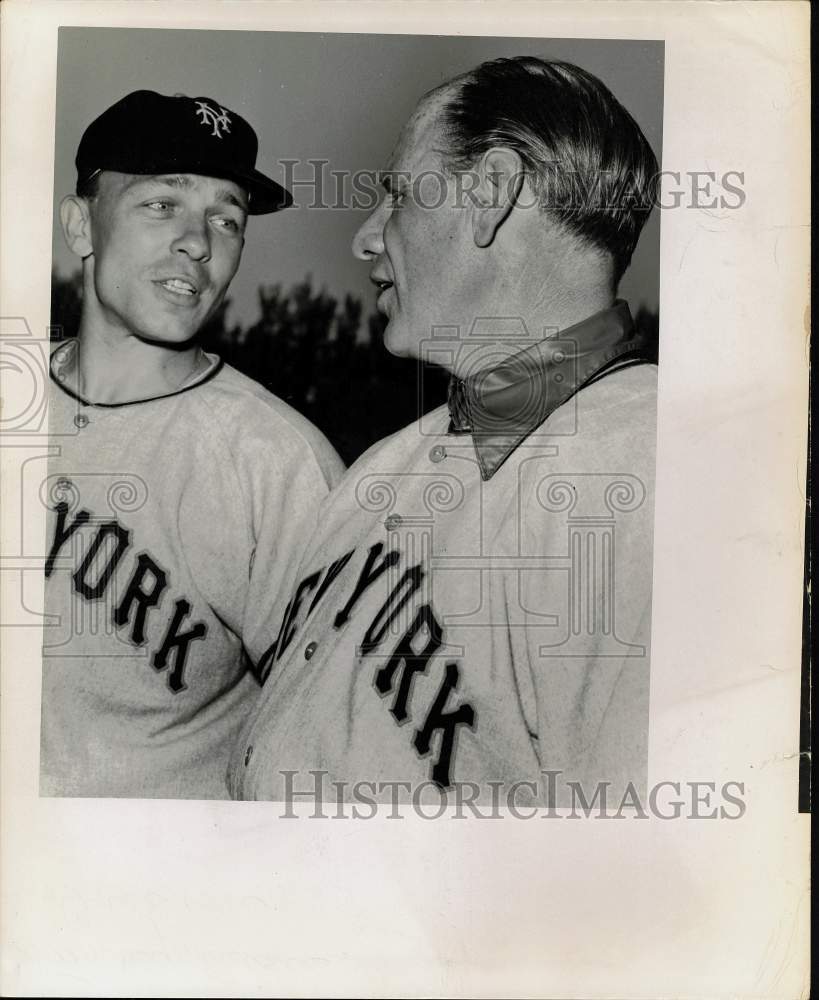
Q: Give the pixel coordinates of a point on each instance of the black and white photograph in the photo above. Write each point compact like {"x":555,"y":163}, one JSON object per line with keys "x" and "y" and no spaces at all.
{"x":409,"y":432}
{"x":469,"y":606}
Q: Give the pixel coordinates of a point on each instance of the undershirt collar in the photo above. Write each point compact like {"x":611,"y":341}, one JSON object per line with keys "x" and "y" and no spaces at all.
{"x":502,"y":405}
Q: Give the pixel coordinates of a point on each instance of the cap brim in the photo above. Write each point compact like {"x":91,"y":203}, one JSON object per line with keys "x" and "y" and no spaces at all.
{"x":265,"y":195}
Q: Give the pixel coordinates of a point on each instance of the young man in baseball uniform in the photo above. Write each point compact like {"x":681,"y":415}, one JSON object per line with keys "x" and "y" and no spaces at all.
{"x":473,"y":615}
{"x":180,"y":493}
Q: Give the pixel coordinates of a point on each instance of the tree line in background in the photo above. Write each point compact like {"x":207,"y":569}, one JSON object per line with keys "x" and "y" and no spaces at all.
{"x":306,"y":348}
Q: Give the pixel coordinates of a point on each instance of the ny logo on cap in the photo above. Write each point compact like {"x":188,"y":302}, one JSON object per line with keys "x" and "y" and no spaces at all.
{"x":210,"y":117}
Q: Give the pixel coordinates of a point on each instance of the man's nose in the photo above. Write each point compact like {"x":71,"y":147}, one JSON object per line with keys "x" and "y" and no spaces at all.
{"x":193,"y":239}
{"x":368,"y":242}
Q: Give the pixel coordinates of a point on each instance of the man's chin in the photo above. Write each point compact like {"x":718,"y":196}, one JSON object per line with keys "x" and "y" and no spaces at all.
{"x":396,"y":340}
{"x":174,"y":339}
{"x":173,"y":328}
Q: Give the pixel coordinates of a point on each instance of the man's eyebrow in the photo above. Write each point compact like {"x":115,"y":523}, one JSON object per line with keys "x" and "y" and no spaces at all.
{"x":175,"y":180}
{"x":184,"y":182}
{"x":226,"y":195}
{"x":169,"y":180}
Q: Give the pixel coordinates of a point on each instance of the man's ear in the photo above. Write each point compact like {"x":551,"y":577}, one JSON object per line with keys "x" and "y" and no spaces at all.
{"x":500,"y":178}
{"x":75,"y":217}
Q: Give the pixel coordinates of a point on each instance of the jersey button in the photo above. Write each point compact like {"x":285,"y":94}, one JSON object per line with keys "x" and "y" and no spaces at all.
{"x":309,"y":649}
{"x":393,"y":522}
{"x":437,"y":454}
{"x":248,"y":755}
{"x":80,"y":420}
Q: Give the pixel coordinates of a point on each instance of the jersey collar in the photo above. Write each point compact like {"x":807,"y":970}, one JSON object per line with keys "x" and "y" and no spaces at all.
{"x":501,"y":406}
{"x":64,"y":359}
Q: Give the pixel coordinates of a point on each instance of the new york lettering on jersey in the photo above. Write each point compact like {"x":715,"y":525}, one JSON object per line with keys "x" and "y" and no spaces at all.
{"x":406,"y":658}
{"x":103,"y":554}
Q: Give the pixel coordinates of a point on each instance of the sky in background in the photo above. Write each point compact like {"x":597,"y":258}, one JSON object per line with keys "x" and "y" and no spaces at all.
{"x":336,"y":97}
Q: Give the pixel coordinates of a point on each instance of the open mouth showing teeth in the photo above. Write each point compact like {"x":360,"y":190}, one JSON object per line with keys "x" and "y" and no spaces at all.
{"x":179,"y":286}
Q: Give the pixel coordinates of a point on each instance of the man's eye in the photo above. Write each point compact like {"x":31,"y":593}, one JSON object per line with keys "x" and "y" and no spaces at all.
{"x":159,"y":205}
{"x":227,"y":224}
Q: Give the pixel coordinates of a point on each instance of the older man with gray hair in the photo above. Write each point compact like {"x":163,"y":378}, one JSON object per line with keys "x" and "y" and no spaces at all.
{"x":473,"y":616}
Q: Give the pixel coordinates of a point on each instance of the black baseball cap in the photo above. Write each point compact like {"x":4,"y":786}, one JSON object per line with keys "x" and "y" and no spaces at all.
{"x":148,"y":133}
